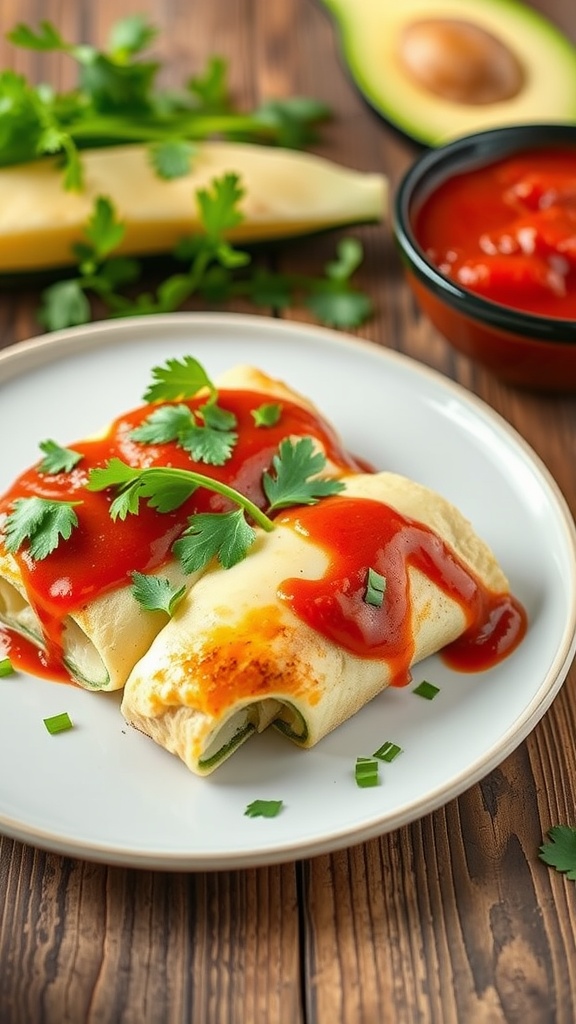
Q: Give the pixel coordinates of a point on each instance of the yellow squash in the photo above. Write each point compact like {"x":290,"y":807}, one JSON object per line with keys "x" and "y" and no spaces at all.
{"x":287,"y":193}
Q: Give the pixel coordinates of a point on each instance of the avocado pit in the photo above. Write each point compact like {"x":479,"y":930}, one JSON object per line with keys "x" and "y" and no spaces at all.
{"x":459,"y":61}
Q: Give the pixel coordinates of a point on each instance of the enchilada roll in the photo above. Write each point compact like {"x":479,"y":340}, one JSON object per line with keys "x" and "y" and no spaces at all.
{"x":75,"y":603}
{"x":338,"y":602}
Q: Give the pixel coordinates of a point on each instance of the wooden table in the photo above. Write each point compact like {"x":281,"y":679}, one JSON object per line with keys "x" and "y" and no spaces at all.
{"x":451,"y":919}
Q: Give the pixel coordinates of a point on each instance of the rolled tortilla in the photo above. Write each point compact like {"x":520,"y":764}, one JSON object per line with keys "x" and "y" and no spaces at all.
{"x":236,"y":656}
{"x":102,"y":640}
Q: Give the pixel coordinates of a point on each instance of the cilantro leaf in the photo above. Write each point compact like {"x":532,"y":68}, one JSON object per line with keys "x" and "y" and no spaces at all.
{"x":172,"y":158}
{"x":560,"y":852}
{"x":267,"y":414}
{"x":115,"y":87}
{"x":103,"y":230}
{"x":178,"y":379}
{"x":73,"y":173}
{"x":64,"y":304}
{"x":164,"y":492}
{"x":48,"y":38}
{"x":264,"y":808}
{"x":126,"y":503}
{"x":209,"y":442}
{"x":293,"y":119}
{"x":130,"y":35}
{"x":57,"y":459}
{"x":339,"y":307}
{"x":333,"y":301}
{"x":156,"y":593}
{"x":172,"y":293}
{"x":223,"y":535}
{"x":348,"y":258}
{"x":166,"y":495}
{"x":211,"y":88}
{"x":216,"y":417}
{"x":114,"y":474}
{"x":295,"y":481}
{"x":40,"y":522}
{"x":118,"y":271}
{"x":163,"y":425}
{"x":218,"y":207}
{"x":214,"y":447}
{"x":267,"y":289}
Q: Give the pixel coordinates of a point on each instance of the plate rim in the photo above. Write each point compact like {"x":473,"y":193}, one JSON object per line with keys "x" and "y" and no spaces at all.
{"x":34,"y":352}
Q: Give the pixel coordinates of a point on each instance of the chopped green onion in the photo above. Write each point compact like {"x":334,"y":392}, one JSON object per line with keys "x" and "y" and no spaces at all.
{"x":388,"y":751}
{"x":58,"y":723}
{"x":6,"y":667}
{"x":426,"y":690}
{"x":375,"y":588}
{"x":264,"y":808}
{"x":366,"y":772}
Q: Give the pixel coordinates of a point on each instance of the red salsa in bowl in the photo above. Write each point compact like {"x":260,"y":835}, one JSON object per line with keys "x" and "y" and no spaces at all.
{"x":508,"y":231}
{"x":486,"y":227}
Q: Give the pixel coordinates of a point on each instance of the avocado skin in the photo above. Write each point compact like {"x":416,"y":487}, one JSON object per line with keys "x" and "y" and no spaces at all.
{"x":547,"y":54}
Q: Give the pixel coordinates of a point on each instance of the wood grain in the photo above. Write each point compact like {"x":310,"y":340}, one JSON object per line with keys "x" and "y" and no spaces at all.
{"x":451,"y":920}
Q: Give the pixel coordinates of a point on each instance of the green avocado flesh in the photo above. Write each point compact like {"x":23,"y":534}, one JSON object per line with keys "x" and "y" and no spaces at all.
{"x":373,"y":34}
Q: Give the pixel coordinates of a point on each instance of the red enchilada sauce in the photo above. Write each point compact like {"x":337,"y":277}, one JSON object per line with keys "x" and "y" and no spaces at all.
{"x":100,"y":554}
{"x":357,"y":533}
{"x":507,"y":231}
{"x":360,"y":533}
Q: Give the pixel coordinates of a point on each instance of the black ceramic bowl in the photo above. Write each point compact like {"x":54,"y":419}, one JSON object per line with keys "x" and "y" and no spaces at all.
{"x":522,"y":348}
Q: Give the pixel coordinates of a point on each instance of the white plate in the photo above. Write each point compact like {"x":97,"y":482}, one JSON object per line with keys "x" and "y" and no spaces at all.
{"x":104,"y":792}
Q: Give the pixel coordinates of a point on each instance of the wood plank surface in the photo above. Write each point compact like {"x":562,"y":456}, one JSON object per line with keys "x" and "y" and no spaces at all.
{"x":450,"y":920}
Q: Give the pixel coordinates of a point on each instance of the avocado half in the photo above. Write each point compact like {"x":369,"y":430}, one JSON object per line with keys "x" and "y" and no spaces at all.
{"x":372,"y":36}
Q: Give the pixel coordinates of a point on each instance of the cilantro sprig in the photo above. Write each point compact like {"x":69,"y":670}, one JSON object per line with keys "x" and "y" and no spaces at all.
{"x":210,"y":441}
{"x":117,"y":99}
{"x":207,"y":434}
{"x":211,"y":267}
{"x":165,"y":489}
{"x":226,"y":536}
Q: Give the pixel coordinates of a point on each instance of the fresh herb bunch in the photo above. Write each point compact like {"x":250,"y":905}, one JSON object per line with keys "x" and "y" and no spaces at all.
{"x":212,"y":268}
{"x":117,"y":100}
